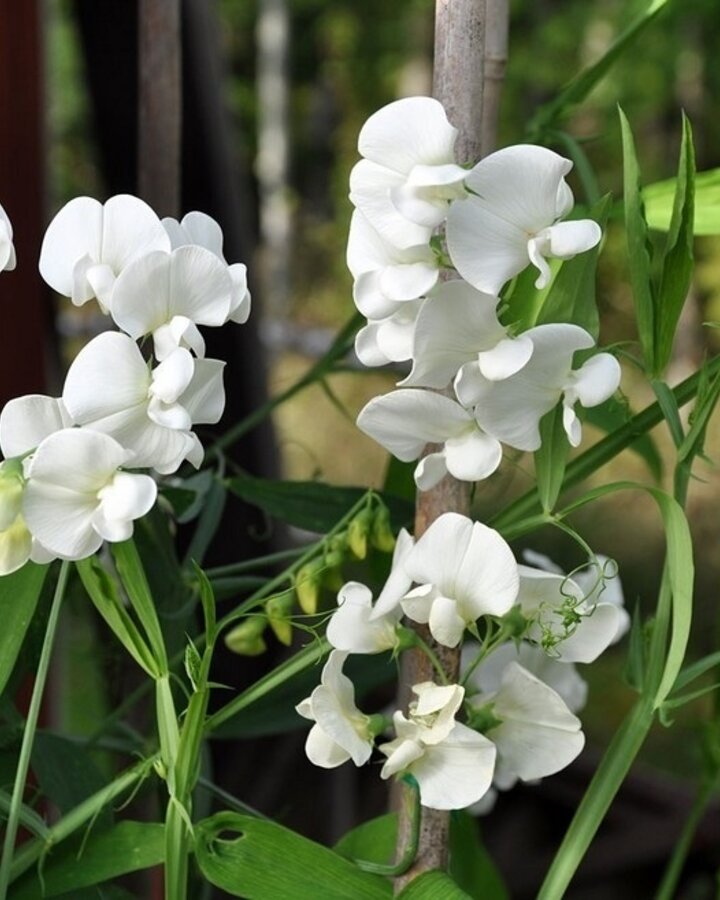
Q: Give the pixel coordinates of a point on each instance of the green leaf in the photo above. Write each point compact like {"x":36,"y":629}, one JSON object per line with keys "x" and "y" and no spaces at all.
{"x":19,"y":595}
{"x":522,"y":305}
{"x":433,"y":886}
{"x":551,"y":458}
{"x":28,"y":817}
{"x":103,"y":591}
{"x":660,"y":202}
{"x":695,"y":670}
{"x":572,"y":295}
{"x":208,"y":523}
{"x":132,"y":574}
{"x":613,"y":414}
{"x":373,"y":841}
{"x":260,"y":860}
{"x":678,"y":260}
{"x":128,"y":847}
{"x":634,"y":670}
{"x":639,"y":249}
{"x":581,"y":85}
{"x":670,"y":410}
{"x":471,"y":866}
{"x":310,"y":504}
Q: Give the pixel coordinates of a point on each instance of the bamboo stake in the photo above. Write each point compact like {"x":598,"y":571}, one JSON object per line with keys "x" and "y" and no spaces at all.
{"x":469,"y":47}
{"x":160,"y":105}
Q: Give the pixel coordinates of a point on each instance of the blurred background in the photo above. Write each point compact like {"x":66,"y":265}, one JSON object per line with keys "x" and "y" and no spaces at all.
{"x":274,"y":94}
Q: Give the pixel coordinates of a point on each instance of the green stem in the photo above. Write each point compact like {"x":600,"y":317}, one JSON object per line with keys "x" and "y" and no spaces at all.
{"x":671,"y":876}
{"x":29,"y":733}
{"x":250,"y":565}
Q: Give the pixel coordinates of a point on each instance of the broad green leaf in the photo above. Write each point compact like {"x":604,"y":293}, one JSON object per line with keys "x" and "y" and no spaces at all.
{"x":310,"y":504}
{"x":581,"y":85}
{"x":261,"y":860}
{"x":19,"y":595}
{"x":433,"y":886}
{"x":65,"y":772}
{"x":660,"y":201}
{"x":639,"y":250}
{"x":551,"y":458}
{"x":572,"y":295}
{"x":128,"y":847}
{"x":471,"y":866}
{"x":678,"y":260}
{"x":103,"y":591}
{"x":613,"y":414}
{"x":373,"y":841}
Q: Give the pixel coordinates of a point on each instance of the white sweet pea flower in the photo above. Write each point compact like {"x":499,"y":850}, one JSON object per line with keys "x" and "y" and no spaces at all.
{"x":511,"y":409}
{"x":200,"y":230}
{"x":452,"y":764}
{"x":169,"y":294}
{"x":534,"y":731}
{"x":76,"y":497}
{"x":406,"y":420}
{"x":408,"y":175}
{"x":465,"y":570}
{"x":111,"y":389}
{"x":8,"y":260}
{"x":26,"y":421}
{"x":562,"y":677}
{"x":388,"y":340}
{"x":458,"y":325}
{"x":571,"y":628}
{"x":341,"y":732}
{"x":88,"y":244}
{"x":510,"y":218}
{"x":352,"y":627}
{"x":385,"y":274}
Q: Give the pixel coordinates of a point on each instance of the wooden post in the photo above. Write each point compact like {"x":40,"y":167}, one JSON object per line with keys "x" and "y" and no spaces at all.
{"x":461,"y":32}
{"x":160,"y":100}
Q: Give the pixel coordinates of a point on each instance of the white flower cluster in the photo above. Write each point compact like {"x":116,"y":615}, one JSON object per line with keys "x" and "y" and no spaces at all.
{"x":500,"y":216}
{"x":519,"y":689}
{"x":64,"y":488}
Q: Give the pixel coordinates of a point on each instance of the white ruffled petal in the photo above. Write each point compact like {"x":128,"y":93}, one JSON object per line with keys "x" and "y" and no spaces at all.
{"x":371,"y":187}
{"x":126,"y":498}
{"x":75,"y":232}
{"x":26,"y":421}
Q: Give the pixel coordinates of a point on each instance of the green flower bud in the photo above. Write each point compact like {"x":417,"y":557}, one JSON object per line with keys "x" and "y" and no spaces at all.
{"x":483,"y":718}
{"x":308,"y":581}
{"x":381,"y":535}
{"x":246,"y":639}
{"x":278,"y":611}
{"x":11,"y":491}
{"x":358,"y":532}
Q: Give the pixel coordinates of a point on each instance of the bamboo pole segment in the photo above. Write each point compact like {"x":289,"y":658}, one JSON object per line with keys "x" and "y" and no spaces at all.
{"x":469,"y":48}
{"x":160,"y":105}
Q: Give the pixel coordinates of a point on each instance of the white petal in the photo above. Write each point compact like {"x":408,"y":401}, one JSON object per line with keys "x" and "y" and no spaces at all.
{"x":172,"y":376}
{"x":454,"y":324}
{"x":204,"y":398}
{"x":178,"y":332}
{"x":457,"y":772}
{"x":417,"y":604}
{"x":78,"y":460}
{"x":26,"y":421}
{"x":399,"y":582}
{"x":405,"y":420}
{"x":446,"y":626}
{"x":408,"y":132}
{"x":592,"y":636}
{"x":107,"y":376}
{"x":204,"y":231}
{"x":241,"y":299}
{"x":408,"y":281}
{"x":505,"y":358}
{"x":430,"y":471}
{"x":130,"y":229}
{"x":370,"y":191}
{"x":323,"y":751}
{"x":569,"y":238}
{"x":596,"y":380}
{"x":74,"y":232}
{"x":366,"y":346}
{"x":126,"y":498}
{"x":351,"y":628}
{"x":473,"y":456}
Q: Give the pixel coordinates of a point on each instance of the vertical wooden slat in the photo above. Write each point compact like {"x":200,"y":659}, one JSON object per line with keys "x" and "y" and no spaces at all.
{"x":24,"y":308}
{"x":160,"y":99}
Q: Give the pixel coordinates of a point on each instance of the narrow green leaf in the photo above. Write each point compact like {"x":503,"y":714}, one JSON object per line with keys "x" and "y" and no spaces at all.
{"x":639,"y":251}
{"x":208,"y":523}
{"x":432,"y":886}
{"x":551,"y":458}
{"x":103,"y":592}
{"x":132,"y":574}
{"x":471,"y":866}
{"x":128,"y":847}
{"x":660,"y":201}
{"x":678,"y":260}
{"x":634,"y":671}
{"x":310,"y":504}
{"x":28,"y":817}
{"x":694,"y":441}
{"x":19,"y":595}
{"x":260,"y":860}
{"x":670,"y":410}
{"x":581,"y":85}
{"x":207,"y":599}
{"x":572,"y":295}
{"x":695,"y":670}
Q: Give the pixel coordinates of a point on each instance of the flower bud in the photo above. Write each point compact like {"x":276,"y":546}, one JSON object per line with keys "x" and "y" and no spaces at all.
{"x":278,"y":610}
{"x":308,"y":581}
{"x":11,"y":491}
{"x":358,"y":532}
{"x":381,"y":535}
{"x":247,"y":638}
